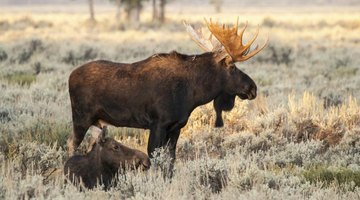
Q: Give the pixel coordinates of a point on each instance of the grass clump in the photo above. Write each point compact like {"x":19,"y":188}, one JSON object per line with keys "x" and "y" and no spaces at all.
{"x":3,"y":55}
{"x":340,"y":176}
{"x":21,"y":78}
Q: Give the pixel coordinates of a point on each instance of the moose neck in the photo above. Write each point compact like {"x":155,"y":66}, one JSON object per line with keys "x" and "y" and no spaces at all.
{"x":96,"y":158}
{"x":208,"y":79}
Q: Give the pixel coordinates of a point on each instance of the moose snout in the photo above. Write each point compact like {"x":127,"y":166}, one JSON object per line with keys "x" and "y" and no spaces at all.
{"x":146,"y":163}
{"x":142,"y":160}
{"x":252,"y":94}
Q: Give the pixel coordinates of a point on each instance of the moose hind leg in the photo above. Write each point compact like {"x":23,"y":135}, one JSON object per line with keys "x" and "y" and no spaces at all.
{"x":74,"y":141}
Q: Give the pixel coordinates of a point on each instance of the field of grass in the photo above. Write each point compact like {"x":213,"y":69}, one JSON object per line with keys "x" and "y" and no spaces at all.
{"x":300,"y":138}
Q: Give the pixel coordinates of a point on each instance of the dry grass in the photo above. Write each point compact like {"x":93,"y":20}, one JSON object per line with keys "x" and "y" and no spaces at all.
{"x":305,"y":118}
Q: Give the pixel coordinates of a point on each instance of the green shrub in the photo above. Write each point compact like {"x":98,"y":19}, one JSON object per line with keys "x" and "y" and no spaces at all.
{"x":340,"y":176}
{"x":3,"y":55}
{"x":21,"y":78}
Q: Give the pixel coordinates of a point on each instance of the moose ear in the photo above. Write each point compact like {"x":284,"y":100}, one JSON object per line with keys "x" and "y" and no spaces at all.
{"x":102,"y":136}
{"x":226,"y":61}
{"x":231,"y":67}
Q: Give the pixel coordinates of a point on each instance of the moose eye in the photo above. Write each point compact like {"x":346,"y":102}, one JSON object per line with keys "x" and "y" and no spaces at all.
{"x":116,"y":147}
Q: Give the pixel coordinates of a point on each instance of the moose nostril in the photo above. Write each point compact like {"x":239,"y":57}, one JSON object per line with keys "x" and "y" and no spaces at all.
{"x":142,"y":161}
{"x":253,"y":93}
{"x":146,"y":163}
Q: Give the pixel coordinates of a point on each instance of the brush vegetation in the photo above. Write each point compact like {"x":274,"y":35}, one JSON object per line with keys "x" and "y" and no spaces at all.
{"x":299,"y":139}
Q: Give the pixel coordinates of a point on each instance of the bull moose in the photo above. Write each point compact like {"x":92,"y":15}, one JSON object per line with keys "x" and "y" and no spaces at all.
{"x":102,"y":163}
{"x":160,"y":92}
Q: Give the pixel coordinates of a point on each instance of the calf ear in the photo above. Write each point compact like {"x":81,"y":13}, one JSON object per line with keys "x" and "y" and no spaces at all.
{"x":101,"y":138}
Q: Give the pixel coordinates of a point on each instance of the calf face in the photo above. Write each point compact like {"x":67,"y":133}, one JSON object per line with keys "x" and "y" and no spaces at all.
{"x":103,"y":162}
{"x":116,"y":155}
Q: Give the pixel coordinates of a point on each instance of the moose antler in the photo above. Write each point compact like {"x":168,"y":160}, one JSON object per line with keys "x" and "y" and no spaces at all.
{"x":209,"y":45}
{"x":232,"y":41}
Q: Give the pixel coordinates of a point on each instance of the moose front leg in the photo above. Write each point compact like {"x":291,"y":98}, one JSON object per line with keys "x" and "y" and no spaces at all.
{"x":219,"y":120}
{"x":76,"y":137}
{"x":156,"y":139}
{"x":169,"y":144}
{"x":172,"y":139}
{"x":167,"y":139}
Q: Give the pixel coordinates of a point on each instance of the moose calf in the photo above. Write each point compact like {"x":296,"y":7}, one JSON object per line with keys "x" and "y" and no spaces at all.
{"x":102,"y":163}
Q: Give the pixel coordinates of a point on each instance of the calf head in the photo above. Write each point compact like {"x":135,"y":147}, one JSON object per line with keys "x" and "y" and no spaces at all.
{"x":103,"y":162}
{"x":115,"y":155}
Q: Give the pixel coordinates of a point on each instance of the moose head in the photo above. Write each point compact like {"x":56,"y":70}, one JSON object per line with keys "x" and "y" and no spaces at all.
{"x":228,"y":49}
{"x":116,"y":155}
{"x":103,"y":162}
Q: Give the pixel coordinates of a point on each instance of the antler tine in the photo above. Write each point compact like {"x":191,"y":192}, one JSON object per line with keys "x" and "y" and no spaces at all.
{"x":254,"y":52}
{"x":237,"y":25}
{"x":253,"y":39}
{"x":242,"y":31}
{"x":207,"y":23}
{"x":198,"y":37}
{"x":228,"y":42}
{"x":232,"y":41}
{"x":248,"y":50}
